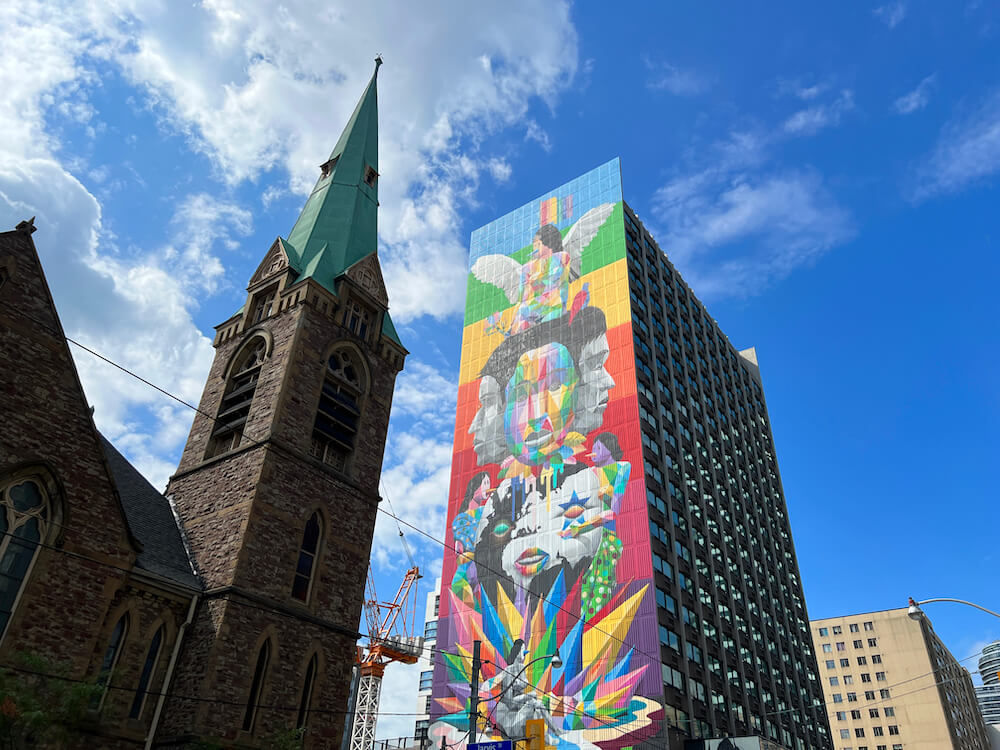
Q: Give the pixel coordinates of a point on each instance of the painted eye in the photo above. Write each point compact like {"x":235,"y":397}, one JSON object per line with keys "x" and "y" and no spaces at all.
{"x":574,"y":511}
{"x":500,"y":529}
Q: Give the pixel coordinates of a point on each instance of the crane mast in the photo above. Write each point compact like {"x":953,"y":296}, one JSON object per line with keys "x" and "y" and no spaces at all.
{"x":391,"y":638}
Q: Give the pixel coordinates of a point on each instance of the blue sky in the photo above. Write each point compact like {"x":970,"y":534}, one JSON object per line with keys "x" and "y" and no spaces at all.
{"x":827,"y":181}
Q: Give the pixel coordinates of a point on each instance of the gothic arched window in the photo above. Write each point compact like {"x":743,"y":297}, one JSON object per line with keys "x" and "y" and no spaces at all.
{"x":24,"y":518}
{"x":358,"y":319}
{"x":336,"y":425}
{"x":306,"y":566}
{"x":142,"y":690}
{"x":263,"y":304}
{"x":111,"y":655}
{"x":235,"y":406}
{"x":307,"y":693}
{"x":257,"y":686}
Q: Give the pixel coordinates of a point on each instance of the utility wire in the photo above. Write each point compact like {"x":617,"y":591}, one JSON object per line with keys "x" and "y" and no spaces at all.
{"x":191,"y":698}
{"x":434,"y":650}
{"x":890,"y":687}
{"x":256,"y":443}
{"x":270,"y":610}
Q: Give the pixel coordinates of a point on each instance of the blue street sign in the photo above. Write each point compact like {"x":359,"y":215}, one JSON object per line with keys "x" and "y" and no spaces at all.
{"x":497,"y":745}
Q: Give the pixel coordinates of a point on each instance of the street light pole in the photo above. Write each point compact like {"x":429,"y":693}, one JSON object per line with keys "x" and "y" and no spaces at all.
{"x":477,"y":663}
{"x":915,"y":613}
{"x":474,"y":695}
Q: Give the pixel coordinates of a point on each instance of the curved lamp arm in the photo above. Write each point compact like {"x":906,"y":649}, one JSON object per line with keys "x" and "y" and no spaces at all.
{"x":915,"y":612}
{"x":556,"y":662}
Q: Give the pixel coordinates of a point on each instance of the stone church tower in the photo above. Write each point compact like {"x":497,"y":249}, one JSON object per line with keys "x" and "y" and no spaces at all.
{"x":277,"y":489}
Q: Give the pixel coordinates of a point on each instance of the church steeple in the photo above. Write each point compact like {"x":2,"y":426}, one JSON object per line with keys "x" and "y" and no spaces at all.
{"x":338,"y":225}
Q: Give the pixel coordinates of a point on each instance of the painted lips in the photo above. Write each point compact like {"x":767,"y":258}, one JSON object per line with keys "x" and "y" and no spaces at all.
{"x":537,"y":439}
{"x":531,"y":561}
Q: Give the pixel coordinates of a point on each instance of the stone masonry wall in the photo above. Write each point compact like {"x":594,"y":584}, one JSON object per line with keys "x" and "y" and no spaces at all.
{"x":244,"y":514}
{"x":47,"y":423}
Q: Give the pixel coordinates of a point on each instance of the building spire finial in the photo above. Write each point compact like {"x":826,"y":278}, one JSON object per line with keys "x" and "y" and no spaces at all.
{"x":378,"y":62}
{"x":27,"y":226}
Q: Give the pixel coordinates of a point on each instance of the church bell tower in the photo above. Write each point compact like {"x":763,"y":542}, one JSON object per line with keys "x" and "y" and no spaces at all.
{"x":277,"y":488}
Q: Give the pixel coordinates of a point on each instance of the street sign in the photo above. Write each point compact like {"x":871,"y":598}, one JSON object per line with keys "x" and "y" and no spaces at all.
{"x":497,"y":745}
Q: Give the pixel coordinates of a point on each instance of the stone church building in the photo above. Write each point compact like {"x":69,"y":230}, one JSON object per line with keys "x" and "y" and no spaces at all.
{"x":223,"y":613}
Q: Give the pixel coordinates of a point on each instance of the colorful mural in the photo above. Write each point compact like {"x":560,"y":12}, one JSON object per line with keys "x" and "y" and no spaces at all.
{"x":548,"y":539}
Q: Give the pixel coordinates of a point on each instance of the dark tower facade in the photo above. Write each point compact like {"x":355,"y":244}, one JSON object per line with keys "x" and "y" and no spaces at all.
{"x":277,"y":489}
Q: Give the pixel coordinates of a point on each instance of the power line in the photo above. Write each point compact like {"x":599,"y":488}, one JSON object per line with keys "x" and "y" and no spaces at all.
{"x":608,"y":724}
{"x":893,"y":685}
{"x":258,"y":443}
{"x":271,"y":610}
{"x":190,"y":698}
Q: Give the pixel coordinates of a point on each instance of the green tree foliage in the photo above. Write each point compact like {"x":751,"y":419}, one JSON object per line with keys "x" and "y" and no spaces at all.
{"x":39,"y":705}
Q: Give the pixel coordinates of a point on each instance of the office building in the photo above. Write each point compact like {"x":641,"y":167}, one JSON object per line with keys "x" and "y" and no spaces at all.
{"x":426,"y":663}
{"x":618,"y":539}
{"x":889,"y":683}
{"x":988,"y":694}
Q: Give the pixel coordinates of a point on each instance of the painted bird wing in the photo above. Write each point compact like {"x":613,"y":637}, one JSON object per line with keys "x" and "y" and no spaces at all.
{"x":581,"y":233}
{"x":502,"y":272}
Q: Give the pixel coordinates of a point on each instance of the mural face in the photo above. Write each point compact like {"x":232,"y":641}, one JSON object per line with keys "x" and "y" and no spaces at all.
{"x":595,"y":384}
{"x":540,"y":403}
{"x":548,"y":531}
{"x":487,"y":426}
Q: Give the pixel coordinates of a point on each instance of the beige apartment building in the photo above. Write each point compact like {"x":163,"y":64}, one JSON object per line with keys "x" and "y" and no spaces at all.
{"x":889,"y":683}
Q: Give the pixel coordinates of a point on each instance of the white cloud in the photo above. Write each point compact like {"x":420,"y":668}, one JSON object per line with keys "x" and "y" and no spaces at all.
{"x":967,"y":152}
{"x":134,"y":310}
{"x":200,"y":222}
{"x":737,"y":225}
{"x":811,"y":120}
{"x":538,"y":135}
{"x":916,"y":99}
{"x":423,"y":393}
{"x":415,"y":480}
{"x":795,"y":87}
{"x":808,"y":93}
{"x":254,"y":89}
{"x":891,"y":14}
{"x":399,"y":695}
{"x":666,"y":77}
{"x":243,"y":82}
{"x":499,"y":168}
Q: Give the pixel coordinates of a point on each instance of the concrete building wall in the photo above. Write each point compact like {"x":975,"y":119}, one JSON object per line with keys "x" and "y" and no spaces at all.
{"x":890,"y":683}
{"x":427,"y":661}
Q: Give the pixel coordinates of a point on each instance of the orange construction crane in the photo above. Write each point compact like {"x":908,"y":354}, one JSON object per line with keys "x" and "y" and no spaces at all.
{"x":391,"y":637}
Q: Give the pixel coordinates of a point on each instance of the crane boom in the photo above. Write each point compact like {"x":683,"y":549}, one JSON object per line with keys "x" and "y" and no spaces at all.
{"x":391,"y":638}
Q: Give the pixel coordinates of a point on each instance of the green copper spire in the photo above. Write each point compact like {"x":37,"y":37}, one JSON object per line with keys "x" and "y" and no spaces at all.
{"x":338,"y":225}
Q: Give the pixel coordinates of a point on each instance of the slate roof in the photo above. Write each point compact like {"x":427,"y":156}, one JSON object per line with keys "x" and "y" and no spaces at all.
{"x":152,"y":522}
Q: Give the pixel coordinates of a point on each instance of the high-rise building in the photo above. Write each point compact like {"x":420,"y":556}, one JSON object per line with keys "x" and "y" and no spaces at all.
{"x":427,"y":664}
{"x":889,"y":682}
{"x":988,"y":694}
{"x":618,"y":539}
